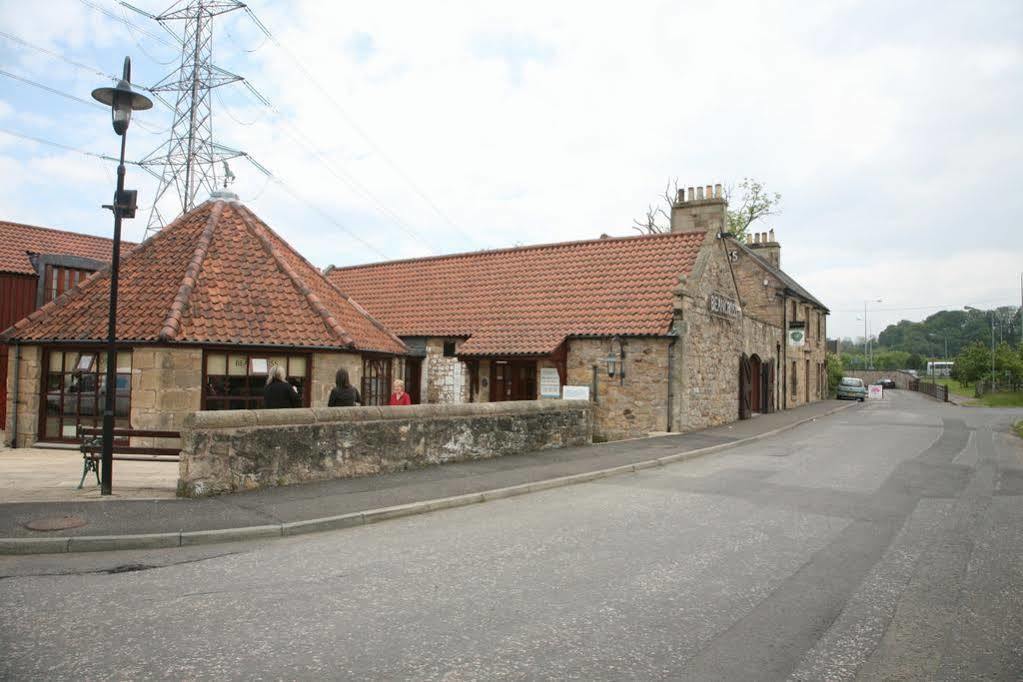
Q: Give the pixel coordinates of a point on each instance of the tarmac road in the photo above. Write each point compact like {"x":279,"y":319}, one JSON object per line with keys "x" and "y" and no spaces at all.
{"x":883,"y":542}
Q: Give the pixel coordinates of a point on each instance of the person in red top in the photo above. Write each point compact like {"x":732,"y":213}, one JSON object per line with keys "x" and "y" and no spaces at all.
{"x":398,"y":394}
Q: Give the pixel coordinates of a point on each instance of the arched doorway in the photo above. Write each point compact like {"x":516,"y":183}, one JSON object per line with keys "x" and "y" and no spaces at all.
{"x":756,"y":384}
{"x":745,"y":388}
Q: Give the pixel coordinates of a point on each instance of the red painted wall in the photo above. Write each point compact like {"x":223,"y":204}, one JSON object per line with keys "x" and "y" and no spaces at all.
{"x":17,"y":299}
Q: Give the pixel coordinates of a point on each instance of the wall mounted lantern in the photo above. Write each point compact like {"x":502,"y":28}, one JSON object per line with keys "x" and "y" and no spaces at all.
{"x":616,"y":361}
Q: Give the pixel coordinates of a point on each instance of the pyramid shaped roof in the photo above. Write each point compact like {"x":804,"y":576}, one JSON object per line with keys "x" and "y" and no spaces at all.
{"x":216,"y":275}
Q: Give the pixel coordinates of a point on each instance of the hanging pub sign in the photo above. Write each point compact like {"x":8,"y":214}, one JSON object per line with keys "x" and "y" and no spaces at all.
{"x":725,"y":307}
{"x":797,"y":334}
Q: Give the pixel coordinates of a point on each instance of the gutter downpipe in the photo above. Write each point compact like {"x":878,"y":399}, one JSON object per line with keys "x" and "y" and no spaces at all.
{"x":785,"y":353}
{"x":671,"y":382}
{"x":14,"y":396}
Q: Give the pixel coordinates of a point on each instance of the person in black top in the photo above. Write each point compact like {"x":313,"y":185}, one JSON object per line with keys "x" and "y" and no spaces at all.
{"x":343,"y":394}
{"x":278,"y":392}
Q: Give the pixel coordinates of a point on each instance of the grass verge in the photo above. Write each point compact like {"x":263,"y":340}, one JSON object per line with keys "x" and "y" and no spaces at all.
{"x":1002,"y":400}
{"x":1019,"y":428}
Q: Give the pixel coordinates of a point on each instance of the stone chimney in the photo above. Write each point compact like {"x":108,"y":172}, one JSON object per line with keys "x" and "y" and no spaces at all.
{"x":700,"y":209}
{"x":765,"y":246}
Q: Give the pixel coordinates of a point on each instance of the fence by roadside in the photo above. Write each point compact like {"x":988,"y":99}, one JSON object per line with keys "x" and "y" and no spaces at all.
{"x":936,"y":391}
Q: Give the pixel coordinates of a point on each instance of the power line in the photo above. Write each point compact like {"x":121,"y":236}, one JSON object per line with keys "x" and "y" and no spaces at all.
{"x":56,"y":55}
{"x":65,"y":147}
{"x":64,"y":58}
{"x":358,"y":129}
{"x":329,"y":218}
{"x":361,"y":190}
{"x":131,"y":25}
{"x":67,"y":95}
{"x":50,"y":90}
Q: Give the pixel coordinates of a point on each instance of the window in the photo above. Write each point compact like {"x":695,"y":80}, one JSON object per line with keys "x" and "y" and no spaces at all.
{"x":793,"y":310}
{"x":75,"y":392}
{"x":376,"y":380}
{"x":819,"y":316}
{"x":59,"y":279}
{"x":794,"y":380}
{"x":235,"y":380}
{"x":449,"y":349}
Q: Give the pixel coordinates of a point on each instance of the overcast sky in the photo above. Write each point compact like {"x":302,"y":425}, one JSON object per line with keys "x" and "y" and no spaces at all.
{"x":892,"y":130}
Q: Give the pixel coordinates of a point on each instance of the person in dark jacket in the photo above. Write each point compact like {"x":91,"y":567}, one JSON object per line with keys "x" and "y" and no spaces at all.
{"x":343,"y":394}
{"x":278,"y":392}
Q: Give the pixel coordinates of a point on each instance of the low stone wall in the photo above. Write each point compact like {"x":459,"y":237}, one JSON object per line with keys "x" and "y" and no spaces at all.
{"x":249,"y":449}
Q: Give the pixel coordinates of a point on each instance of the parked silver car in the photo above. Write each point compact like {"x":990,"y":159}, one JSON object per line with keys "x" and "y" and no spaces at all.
{"x":851,"y":388}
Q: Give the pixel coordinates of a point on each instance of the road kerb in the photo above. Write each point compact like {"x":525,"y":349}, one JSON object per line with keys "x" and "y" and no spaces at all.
{"x":106,"y":543}
{"x":212,"y":537}
{"x":33,"y":545}
{"x":95,"y":543}
{"x":325,"y":523}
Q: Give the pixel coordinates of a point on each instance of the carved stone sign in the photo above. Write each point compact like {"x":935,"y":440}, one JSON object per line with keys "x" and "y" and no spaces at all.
{"x":725,"y":307}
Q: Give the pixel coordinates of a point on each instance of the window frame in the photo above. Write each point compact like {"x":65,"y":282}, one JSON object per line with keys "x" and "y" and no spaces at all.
{"x":375,"y":388}
{"x":254,"y":402}
{"x":98,"y":396}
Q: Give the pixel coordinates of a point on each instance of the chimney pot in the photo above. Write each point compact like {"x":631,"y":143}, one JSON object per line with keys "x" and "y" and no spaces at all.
{"x":692,"y":194}
{"x":699,"y":194}
{"x":717,"y":191}
{"x":772,"y":234}
{"x":710,"y":191}
{"x":680,"y":196}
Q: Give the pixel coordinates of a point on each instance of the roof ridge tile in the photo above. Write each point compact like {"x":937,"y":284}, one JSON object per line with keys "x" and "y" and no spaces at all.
{"x":172,"y":323}
{"x":331,"y":323}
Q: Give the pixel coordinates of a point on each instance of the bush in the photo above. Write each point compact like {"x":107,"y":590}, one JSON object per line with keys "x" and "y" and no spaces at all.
{"x":835,"y":371}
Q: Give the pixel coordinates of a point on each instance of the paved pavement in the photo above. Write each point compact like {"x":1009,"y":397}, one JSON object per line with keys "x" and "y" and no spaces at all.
{"x":880,"y":543}
{"x":263,"y":511}
{"x":52,"y":475}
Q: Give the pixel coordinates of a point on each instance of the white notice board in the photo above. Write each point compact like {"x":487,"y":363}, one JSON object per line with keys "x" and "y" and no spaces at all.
{"x":577,"y":393}
{"x":550,"y":383}
{"x":875,"y":392}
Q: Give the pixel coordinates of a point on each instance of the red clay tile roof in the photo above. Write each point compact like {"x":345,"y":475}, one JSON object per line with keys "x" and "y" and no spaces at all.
{"x":217,"y":274}
{"x":528,"y":300}
{"x":17,"y":241}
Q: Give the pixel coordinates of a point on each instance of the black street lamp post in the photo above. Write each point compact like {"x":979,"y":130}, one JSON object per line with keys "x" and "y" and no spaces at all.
{"x":122,"y":101}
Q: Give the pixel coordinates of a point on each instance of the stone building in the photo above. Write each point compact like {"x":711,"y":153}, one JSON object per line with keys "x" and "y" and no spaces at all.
{"x":205,"y":309}
{"x":654,"y":326}
{"x":768,"y":294}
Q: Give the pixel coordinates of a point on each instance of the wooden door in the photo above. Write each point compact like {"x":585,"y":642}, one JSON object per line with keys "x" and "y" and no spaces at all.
{"x":745,"y":387}
{"x":512,"y":380}
{"x":413,"y":373}
{"x":756,"y":385}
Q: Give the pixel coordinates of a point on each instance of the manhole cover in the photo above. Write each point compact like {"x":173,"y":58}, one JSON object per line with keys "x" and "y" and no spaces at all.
{"x":56,"y":523}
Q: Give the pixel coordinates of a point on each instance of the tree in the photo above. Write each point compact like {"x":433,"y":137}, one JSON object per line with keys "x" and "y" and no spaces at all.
{"x":973,"y":363}
{"x":755,"y":203}
{"x":658,"y":216}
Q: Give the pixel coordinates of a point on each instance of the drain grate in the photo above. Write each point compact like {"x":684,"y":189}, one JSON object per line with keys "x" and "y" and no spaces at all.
{"x":56,"y":523}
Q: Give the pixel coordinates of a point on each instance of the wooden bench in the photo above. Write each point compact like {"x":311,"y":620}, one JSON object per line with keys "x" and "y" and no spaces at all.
{"x":92,"y":448}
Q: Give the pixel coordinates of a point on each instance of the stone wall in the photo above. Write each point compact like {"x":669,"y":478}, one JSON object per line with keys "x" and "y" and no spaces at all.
{"x":711,"y":344}
{"x":166,"y":385}
{"x":248,"y":449}
{"x":902,"y":379}
{"x":629,"y":406}
{"x":28,"y":385}
{"x":447,"y":378}
{"x":325,"y":367}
